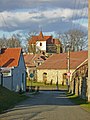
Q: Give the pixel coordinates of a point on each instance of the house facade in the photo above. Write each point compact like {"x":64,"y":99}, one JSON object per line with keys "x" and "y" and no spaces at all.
{"x":54,"y":75}
{"x":12,"y":68}
{"x":55,"y":68}
{"x":46,"y":44}
{"x":32,"y":61}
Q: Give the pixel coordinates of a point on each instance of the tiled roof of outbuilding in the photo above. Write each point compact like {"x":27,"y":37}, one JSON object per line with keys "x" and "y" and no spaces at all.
{"x":30,"y":58}
{"x":59,"y":61}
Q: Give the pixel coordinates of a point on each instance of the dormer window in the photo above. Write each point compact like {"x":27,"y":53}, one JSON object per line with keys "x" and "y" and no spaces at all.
{"x":40,"y":44}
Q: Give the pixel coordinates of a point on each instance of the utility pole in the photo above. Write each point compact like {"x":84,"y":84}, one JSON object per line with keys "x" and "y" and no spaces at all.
{"x":57,"y":81}
{"x":88,"y":50}
{"x":68,"y":65}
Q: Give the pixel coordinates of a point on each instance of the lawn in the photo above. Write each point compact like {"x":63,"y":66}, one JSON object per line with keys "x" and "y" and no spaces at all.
{"x":86,"y":106}
{"x":41,"y":84}
{"x":9,"y":99}
{"x":82,"y":102}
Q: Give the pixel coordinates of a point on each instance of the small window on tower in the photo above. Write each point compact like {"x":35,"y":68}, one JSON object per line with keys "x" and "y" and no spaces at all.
{"x":40,"y":44}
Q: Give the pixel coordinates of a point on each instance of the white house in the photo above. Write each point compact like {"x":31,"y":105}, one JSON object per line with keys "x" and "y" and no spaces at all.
{"x":12,"y":69}
{"x":40,"y":45}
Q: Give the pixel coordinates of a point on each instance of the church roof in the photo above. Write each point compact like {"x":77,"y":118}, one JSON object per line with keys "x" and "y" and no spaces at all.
{"x":40,"y":37}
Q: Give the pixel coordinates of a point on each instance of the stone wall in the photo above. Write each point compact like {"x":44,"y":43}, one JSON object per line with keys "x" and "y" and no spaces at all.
{"x":52,"y":74}
{"x":79,"y":87}
{"x":52,"y":48}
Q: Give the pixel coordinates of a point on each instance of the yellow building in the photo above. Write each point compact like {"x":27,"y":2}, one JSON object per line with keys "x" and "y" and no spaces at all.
{"x":55,"y":67}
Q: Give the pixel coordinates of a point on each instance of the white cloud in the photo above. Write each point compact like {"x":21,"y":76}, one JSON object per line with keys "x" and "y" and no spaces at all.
{"x":30,"y":14}
{"x":83,"y":22}
{"x":36,"y":16}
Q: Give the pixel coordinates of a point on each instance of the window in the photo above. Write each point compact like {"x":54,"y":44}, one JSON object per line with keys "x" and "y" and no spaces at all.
{"x":44,"y":78}
{"x":38,"y":64}
{"x":40,"y":44}
{"x":64,"y":75}
{"x":6,"y":72}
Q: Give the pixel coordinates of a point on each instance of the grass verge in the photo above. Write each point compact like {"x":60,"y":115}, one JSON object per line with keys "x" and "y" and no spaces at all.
{"x":41,"y":84}
{"x":9,"y":99}
{"x":79,"y":101}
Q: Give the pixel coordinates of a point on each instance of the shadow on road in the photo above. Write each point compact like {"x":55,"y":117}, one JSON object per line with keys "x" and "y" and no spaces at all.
{"x":47,"y":97}
{"x":45,"y":105}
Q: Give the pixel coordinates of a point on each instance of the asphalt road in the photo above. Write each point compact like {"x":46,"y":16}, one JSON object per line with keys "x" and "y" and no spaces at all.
{"x":49,"y":105}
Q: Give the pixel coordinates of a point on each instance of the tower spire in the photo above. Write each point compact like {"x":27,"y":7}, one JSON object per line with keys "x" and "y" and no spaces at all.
{"x":41,"y":34}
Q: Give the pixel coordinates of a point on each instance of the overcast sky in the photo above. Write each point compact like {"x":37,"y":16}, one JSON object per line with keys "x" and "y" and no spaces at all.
{"x":49,"y":15}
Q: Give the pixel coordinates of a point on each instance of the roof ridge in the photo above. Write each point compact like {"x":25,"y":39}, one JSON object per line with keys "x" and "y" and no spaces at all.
{"x":62,"y":61}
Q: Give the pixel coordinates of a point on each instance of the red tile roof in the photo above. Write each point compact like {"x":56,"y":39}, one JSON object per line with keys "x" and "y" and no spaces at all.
{"x":53,"y":41}
{"x":40,"y":37}
{"x":9,"y":57}
{"x":30,"y":58}
{"x":56,"y":41}
{"x":59,"y":61}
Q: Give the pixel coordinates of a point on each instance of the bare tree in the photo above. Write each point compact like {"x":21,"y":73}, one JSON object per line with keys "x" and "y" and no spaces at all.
{"x":11,"y":42}
{"x":32,"y":47}
{"x":77,"y":40}
{"x":2,"y":43}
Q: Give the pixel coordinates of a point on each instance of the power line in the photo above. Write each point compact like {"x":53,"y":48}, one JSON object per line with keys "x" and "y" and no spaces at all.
{"x":77,"y":5}
{"x":5,"y":24}
{"x":83,"y":11}
{"x":73,"y":13}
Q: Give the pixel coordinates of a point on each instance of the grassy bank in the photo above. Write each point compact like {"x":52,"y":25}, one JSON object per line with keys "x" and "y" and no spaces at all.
{"x":8,"y":98}
{"x":41,"y":84}
{"x":78,"y":101}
